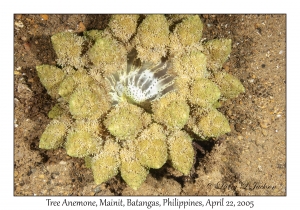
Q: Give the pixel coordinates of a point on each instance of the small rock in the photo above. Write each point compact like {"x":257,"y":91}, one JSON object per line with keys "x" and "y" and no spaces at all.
{"x":259,"y":168}
{"x":18,"y":16}
{"x":229,"y":112}
{"x":54,"y":175}
{"x":240,"y":138}
{"x":41,"y":176}
{"x":102,"y":186}
{"x":17,"y":73}
{"x":264,"y":123}
{"x":97,"y":189}
{"x":224,"y":159}
{"x":226,"y":66}
{"x":19,"y":24}
{"x":259,"y":142}
{"x":18,"y":189}
{"x":232,"y":128}
{"x":264,"y":132}
{"x":44,"y":17}
{"x":27,"y":46}
{"x":81,"y":27}
{"x":239,"y":128}
{"x":23,"y":88}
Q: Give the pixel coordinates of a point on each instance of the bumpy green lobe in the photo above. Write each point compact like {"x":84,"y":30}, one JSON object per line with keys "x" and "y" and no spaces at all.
{"x":88,"y":161}
{"x":186,"y":35}
{"x":209,"y":123}
{"x":103,"y":51}
{"x":152,"y":38}
{"x":189,"y":31}
{"x":88,"y":102}
{"x":133,"y":173}
{"x":182,"y":87}
{"x":192,"y":64}
{"x":56,"y":111}
{"x":230,"y":86}
{"x":108,"y":54}
{"x":89,"y":125}
{"x":217,"y":52}
{"x":50,"y":77}
{"x":68,"y":47}
{"x":93,"y":34}
{"x":152,"y":147}
{"x":84,"y":138}
{"x":204,"y":92}
{"x":123,"y":26}
{"x":75,"y":79}
{"x":105,"y":165}
{"x":181,"y":151}
{"x":126,"y":120}
{"x":170,"y":111}
{"x":81,"y":78}
{"x":53,"y":136}
{"x":81,"y":143}
{"x":67,"y":87}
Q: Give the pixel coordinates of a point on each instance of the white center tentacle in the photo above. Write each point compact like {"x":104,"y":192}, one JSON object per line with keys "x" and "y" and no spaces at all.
{"x":140,"y":84}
